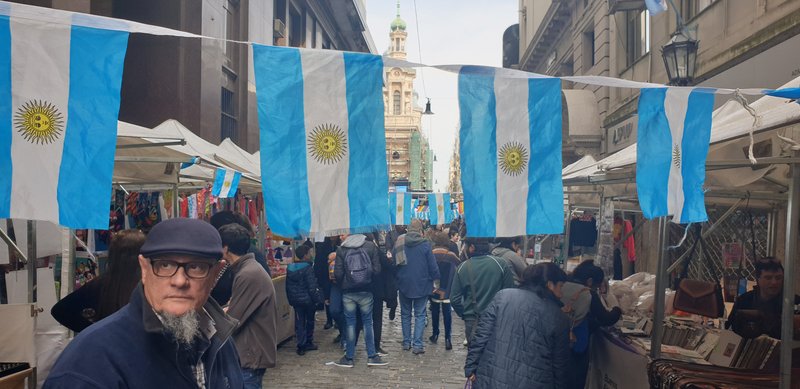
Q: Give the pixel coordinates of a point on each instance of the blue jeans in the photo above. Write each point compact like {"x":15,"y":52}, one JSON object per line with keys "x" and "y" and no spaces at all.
{"x":362,"y":301}
{"x":418,"y":304}
{"x":447,"y":315}
{"x":253,"y":378}
{"x":336,"y":310}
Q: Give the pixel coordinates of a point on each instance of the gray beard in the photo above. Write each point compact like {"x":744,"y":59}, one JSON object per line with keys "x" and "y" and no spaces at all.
{"x":184,"y":328}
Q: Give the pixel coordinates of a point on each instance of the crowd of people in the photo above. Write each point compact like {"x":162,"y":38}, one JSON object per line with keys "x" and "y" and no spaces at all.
{"x":192,"y":305}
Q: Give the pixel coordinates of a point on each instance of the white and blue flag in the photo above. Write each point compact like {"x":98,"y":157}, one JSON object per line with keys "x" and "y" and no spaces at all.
{"x":322,"y":140}
{"x":226,"y":182}
{"x":439,"y":208}
{"x":673,"y":138}
{"x":510,"y":154}
{"x":656,"y":6}
{"x":400,"y":209}
{"x":60,"y":87}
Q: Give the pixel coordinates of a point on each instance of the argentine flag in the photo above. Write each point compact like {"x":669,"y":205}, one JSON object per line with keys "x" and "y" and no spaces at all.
{"x":510,"y":154}
{"x":439,"y":208}
{"x":226,"y":182}
{"x":60,"y":84}
{"x":400,"y":208}
{"x":673,"y":137}
{"x":322,"y":140}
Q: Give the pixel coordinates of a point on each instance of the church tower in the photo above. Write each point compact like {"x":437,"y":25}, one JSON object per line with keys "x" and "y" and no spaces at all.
{"x":407,"y":150}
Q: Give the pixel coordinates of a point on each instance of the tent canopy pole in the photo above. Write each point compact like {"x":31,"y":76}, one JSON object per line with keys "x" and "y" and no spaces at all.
{"x":787,"y":328}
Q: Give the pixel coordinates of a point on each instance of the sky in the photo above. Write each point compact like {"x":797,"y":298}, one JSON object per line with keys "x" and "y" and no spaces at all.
{"x":464,"y":32}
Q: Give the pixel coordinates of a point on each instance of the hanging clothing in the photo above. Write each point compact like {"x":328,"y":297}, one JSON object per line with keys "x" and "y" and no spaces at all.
{"x":629,"y":244}
{"x":583,"y":232}
{"x":193,"y":206}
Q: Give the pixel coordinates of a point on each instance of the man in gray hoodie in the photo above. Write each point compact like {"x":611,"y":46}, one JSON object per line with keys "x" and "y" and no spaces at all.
{"x":507,"y":249}
{"x":357,"y":264}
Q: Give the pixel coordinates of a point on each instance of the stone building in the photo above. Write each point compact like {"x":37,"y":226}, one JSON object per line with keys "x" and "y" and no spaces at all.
{"x":742,"y":44}
{"x":407,"y":151}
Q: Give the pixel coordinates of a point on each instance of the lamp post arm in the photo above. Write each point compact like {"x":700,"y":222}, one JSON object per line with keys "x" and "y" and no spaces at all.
{"x":677,"y":13}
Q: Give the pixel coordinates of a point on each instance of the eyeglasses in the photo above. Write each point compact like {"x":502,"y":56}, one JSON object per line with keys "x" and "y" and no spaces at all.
{"x":167,"y":268}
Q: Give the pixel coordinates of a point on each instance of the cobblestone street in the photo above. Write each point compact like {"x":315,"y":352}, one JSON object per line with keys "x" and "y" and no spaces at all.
{"x":436,"y":368}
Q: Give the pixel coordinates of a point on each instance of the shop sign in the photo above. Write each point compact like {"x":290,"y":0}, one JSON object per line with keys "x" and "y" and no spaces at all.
{"x":621,"y":135}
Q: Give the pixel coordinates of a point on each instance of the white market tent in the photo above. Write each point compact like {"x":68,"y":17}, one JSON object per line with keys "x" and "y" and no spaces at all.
{"x":731,"y":177}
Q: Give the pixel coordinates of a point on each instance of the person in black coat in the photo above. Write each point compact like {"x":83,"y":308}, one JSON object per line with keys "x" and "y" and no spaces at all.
{"x":322,"y":250}
{"x":108,"y":293}
{"x":303,"y":294}
{"x":522,"y":339}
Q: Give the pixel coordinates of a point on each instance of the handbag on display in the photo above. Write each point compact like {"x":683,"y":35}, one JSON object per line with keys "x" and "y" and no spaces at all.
{"x":695,"y":296}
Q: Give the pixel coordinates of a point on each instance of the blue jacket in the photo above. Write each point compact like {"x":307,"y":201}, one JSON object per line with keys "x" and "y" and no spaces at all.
{"x":521,"y":341}
{"x":130,"y":350}
{"x":301,"y":285}
{"x":415,"y":278}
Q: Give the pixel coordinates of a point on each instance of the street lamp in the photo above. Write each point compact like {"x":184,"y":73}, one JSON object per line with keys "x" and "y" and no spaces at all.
{"x":680,"y":58}
{"x":428,"y":108}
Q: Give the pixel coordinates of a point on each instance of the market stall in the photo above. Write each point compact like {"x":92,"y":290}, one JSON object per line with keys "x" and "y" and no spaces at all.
{"x":733,"y":182}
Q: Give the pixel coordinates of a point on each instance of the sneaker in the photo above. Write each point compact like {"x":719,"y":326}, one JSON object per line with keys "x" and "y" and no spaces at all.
{"x":376,"y":361}
{"x":418,"y":351}
{"x":300,"y":351}
{"x":448,"y":345}
{"x":465,"y":343}
{"x":344,"y":362}
{"x":381,"y":352}
{"x":434,"y":338}
{"x":406,"y":347}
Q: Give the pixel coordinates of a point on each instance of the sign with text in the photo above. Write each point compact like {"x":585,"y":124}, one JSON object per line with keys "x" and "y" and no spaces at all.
{"x":621,"y":135}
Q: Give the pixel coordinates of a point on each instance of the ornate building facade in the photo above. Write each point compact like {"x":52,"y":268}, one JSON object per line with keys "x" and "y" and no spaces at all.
{"x":407,"y":150}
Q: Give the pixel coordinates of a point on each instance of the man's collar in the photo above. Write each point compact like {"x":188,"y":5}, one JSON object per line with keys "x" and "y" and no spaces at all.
{"x":242,"y":259}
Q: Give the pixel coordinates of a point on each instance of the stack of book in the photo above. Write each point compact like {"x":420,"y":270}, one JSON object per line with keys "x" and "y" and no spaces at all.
{"x":681,"y":334}
{"x":756,"y":353}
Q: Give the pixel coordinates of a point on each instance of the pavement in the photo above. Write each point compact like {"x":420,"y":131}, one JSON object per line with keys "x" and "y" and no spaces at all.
{"x":436,"y":368}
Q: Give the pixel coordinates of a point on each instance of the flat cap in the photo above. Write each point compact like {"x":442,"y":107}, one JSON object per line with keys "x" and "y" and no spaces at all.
{"x":183,"y":236}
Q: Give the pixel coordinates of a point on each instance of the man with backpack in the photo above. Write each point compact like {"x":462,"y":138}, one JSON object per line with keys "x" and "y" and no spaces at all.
{"x":356,"y":264}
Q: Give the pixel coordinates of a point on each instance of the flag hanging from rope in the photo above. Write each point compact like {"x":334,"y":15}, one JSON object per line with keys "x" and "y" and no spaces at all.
{"x":322,"y":140}
{"x":226,"y":182}
{"x":60,"y":83}
{"x":510,"y":154}
{"x":439,"y":206}
{"x":673,"y":138}
{"x":400,"y":208}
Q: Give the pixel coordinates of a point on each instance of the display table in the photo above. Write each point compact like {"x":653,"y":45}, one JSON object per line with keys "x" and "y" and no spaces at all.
{"x":18,"y":380}
{"x":285,"y":319}
{"x":615,"y":365}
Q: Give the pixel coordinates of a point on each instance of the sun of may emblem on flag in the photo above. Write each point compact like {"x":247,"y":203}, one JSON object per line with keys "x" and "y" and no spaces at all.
{"x":327,"y":143}
{"x":513,"y":158}
{"x":39,"y":121}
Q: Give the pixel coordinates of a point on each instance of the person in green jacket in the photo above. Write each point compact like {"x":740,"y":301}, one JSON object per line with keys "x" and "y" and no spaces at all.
{"x":476,"y":282}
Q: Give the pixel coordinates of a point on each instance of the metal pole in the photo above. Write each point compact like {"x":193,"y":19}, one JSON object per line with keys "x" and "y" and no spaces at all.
{"x":787,"y":329}
{"x":661,"y":286}
{"x":12,"y":245}
{"x":31,"y":265}
{"x":565,"y":242}
{"x":175,"y":204}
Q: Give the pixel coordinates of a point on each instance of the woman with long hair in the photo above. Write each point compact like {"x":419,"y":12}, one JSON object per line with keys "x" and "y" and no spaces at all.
{"x":108,"y":293}
{"x":522,"y":338}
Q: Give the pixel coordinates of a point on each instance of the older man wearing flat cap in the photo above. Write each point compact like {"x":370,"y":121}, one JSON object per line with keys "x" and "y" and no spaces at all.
{"x":170,"y":335}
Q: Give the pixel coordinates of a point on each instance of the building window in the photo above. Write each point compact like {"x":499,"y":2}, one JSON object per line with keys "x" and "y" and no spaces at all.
{"x":588,"y":49}
{"x":637,"y":35}
{"x":313,"y":33}
{"x":228,"y":122}
{"x":231,"y":48}
{"x":297,"y":29}
{"x":691,"y":8}
{"x":397,"y":103}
